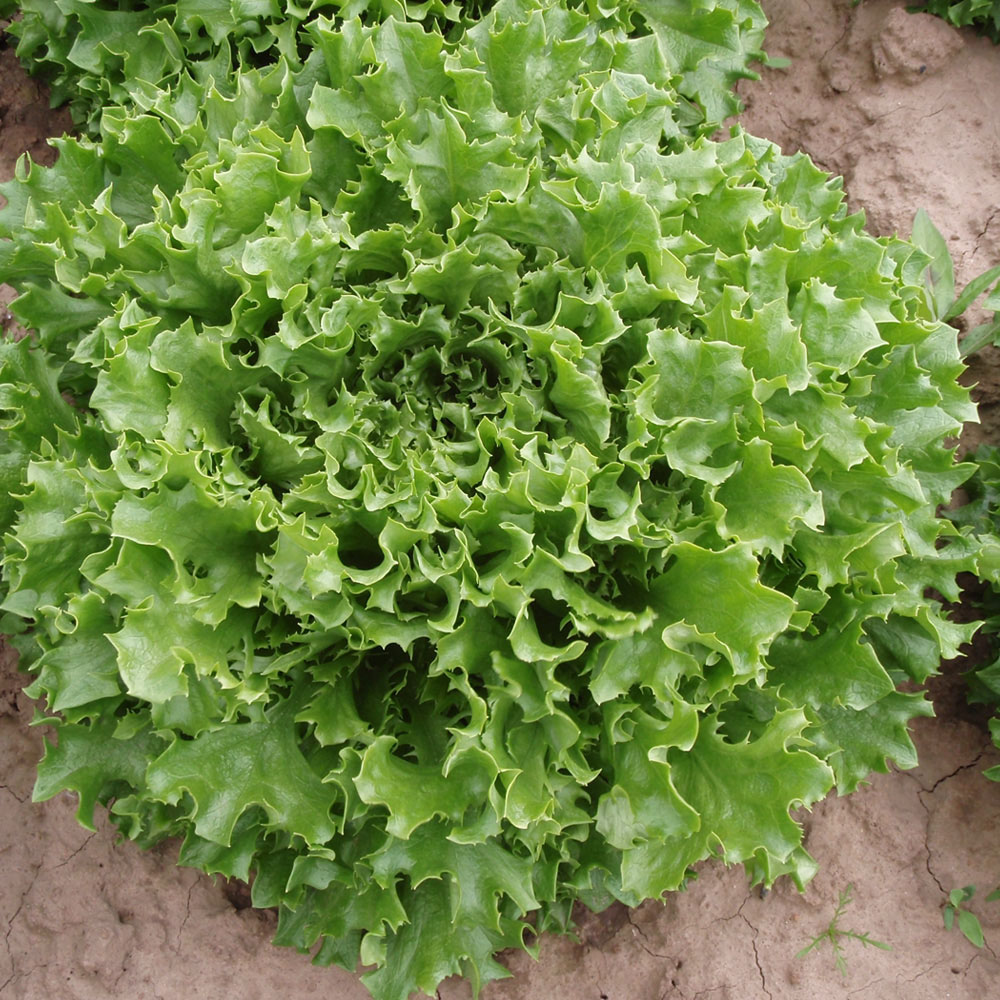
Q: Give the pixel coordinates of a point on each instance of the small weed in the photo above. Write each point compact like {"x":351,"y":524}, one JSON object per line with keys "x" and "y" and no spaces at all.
{"x":836,"y":935}
{"x":939,"y":281}
{"x":968,"y":922}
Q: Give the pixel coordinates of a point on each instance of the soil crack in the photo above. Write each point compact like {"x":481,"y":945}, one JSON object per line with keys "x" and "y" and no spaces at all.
{"x":62,"y":864}
{"x":985,"y":229}
{"x":792,"y":135}
{"x":968,"y":965}
{"x":958,"y":770}
{"x":10,"y":955}
{"x":640,"y":939}
{"x":930,"y":871}
{"x":187,"y":914}
{"x":847,"y":30}
{"x":20,"y":906}
{"x":931,"y":114}
{"x":867,"y":986}
{"x":756,"y":953}
{"x":14,"y":974}
{"x":7,"y":788}
{"x":930,"y":968}
{"x":118,"y":979}
{"x":921,"y":788}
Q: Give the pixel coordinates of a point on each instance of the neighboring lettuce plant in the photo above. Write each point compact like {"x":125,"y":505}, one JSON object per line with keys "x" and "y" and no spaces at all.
{"x":981,"y":515}
{"x":443,"y":490}
{"x":99,"y":52}
{"x":982,"y":15}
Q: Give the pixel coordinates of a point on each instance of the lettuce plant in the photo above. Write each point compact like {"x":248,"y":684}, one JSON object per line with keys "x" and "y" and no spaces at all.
{"x":981,"y":515}
{"x":94,"y":53}
{"x":445,"y":487}
{"x":982,"y":15}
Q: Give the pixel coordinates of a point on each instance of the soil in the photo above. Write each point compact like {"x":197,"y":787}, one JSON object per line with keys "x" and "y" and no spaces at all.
{"x":907,"y":109}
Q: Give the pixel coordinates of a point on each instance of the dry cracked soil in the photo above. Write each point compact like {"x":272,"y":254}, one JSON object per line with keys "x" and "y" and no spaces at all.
{"x":907,"y":109}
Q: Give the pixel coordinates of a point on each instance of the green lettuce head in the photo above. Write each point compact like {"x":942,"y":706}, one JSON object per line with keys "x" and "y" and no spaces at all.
{"x":480,"y":492}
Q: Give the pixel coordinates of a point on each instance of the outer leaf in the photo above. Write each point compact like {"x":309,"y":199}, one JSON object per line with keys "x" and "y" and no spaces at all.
{"x":213,"y":547}
{"x":94,"y":763}
{"x":705,"y":42}
{"x":418,"y":955}
{"x":790,"y":500}
{"x":739,"y":791}
{"x":416,"y":793}
{"x":858,"y":743}
{"x":33,"y":410}
{"x":82,"y":668}
{"x":243,"y":765}
{"x":836,"y":333}
{"x":45,"y":572}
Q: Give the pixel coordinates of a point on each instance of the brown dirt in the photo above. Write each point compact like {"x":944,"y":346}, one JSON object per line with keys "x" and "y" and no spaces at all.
{"x":907,"y":109}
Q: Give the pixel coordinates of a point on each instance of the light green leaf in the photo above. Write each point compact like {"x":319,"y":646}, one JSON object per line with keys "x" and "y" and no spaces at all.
{"x":408,"y":67}
{"x":213,"y":546}
{"x":416,"y":793}
{"x":837,"y":333}
{"x":771,"y":522}
{"x":579,"y":395}
{"x":418,"y":956}
{"x":32,"y":410}
{"x":710,"y":45}
{"x":720,"y":594}
{"x":55,"y":534}
{"x":643,"y":804}
{"x":530,"y":60}
{"x":441,"y":169}
{"x":704,"y":380}
{"x":82,"y":667}
{"x":836,"y":669}
{"x":771,"y":342}
{"x":130,"y":394}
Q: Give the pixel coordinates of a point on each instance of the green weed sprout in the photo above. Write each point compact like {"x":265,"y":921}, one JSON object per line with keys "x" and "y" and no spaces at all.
{"x":968,"y":922}
{"x":836,"y":935}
